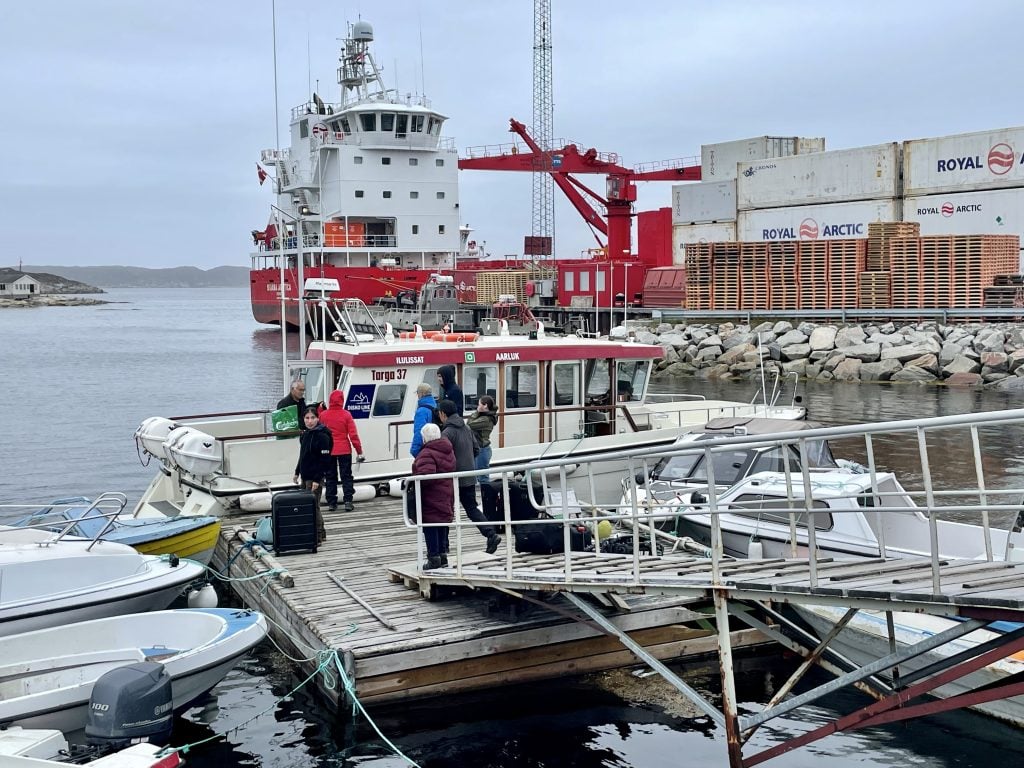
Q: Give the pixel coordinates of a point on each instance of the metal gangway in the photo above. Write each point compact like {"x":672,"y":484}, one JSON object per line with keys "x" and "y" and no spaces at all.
{"x":984,"y":590}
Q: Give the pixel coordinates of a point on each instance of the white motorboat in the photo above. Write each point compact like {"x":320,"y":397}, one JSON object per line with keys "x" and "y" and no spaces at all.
{"x":48,"y":748}
{"x":854,"y":516}
{"x":47,"y":676}
{"x":49,"y":580}
{"x":563,"y":398}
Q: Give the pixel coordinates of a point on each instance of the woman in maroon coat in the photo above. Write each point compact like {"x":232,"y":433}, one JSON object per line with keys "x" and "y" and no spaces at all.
{"x":436,"y":496}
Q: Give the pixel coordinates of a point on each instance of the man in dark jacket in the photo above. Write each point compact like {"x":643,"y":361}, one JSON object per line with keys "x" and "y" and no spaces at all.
{"x":458,"y":434}
{"x":296,"y":396}
{"x":315,"y":445}
{"x":450,"y":389}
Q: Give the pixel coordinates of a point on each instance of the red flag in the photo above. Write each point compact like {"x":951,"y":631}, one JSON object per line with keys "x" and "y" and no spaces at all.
{"x":261,"y":173}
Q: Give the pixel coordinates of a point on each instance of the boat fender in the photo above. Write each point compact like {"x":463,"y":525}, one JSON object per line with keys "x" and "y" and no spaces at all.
{"x":364,"y":493}
{"x":395,"y":488}
{"x":256,"y":502}
{"x":755,"y":549}
{"x":204,"y":597}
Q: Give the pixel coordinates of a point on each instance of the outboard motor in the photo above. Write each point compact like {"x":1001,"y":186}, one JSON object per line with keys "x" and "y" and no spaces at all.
{"x":131,"y":704}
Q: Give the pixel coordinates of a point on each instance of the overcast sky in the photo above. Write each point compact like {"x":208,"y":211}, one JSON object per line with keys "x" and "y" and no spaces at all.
{"x":131,"y":129}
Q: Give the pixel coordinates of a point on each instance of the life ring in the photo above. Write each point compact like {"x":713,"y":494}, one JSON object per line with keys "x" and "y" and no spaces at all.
{"x":458,"y":337}
{"x":408,"y":335}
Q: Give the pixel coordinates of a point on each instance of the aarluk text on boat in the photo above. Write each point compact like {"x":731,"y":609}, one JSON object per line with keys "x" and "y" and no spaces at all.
{"x":568,"y":397}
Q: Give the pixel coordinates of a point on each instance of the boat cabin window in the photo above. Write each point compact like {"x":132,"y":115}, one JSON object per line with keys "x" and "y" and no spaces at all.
{"x":477,"y":381}
{"x":417,"y":123}
{"x":728,"y":465}
{"x":520,"y":386}
{"x":775,"y":460}
{"x":433,"y":126}
{"x":389,"y":399}
{"x":344,"y":125}
{"x":631,"y":379}
{"x":403,"y":126}
{"x":598,"y":382}
{"x":566,"y":384}
{"x":387,"y":121}
{"x":304,"y":129}
{"x":367,"y":121}
{"x":775,"y":509}
{"x":314,"y":379}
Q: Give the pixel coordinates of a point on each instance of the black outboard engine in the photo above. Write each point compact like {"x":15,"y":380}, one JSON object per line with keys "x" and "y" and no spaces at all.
{"x":131,"y":704}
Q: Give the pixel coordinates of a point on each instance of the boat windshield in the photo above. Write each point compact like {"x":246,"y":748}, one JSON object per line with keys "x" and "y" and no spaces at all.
{"x":730,"y":466}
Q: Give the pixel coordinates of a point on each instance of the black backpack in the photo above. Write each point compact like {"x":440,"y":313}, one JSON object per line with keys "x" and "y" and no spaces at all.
{"x":435,"y":417}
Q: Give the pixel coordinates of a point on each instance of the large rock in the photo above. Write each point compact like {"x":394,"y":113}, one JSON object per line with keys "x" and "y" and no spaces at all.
{"x":905,"y":352}
{"x":848,"y":370}
{"x":1015,"y":360}
{"x":806,"y":328}
{"x":993,"y":377}
{"x":823,"y":337}
{"x":885,"y":338}
{"x":710,"y":341}
{"x":670,"y":354}
{"x":782,"y":327}
{"x":913,"y":374}
{"x":949,"y":352}
{"x":961,"y":364}
{"x":994,"y":362}
{"x":850,"y":336}
{"x":811,"y":371}
{"x":796,"y":351}
{"x":708,"y":354}
{"x":679,"y":369}
{"x":674,"y":338}
{"x":734,"y":355}
{"x":927,"y":362}
{"x":1011,"y":384}
{"x":833,"y":362}
{"x":664,"y":328}
{"x":992,"y":340}
{"x":643,"y":337}
{"x":766,"y":327}
{"x":880,"y":371}
{"x":798,"y":367}
{"x":866,"y":353}
{"x":791,"y":337}
{"x":964,"y":380}
{"x":742,"y":368}
{"x":697,"y":335}
{"x":738,"y":339}
{"x":824,"y":354}
{"x":714,"y":372}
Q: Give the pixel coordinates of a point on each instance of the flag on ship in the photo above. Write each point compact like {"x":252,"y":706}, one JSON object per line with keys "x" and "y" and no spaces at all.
{"x":261,"y":173}
{"x":321,"y":108}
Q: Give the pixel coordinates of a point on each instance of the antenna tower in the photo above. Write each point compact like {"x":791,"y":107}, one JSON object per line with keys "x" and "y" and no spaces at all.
{"x":543,"y":116}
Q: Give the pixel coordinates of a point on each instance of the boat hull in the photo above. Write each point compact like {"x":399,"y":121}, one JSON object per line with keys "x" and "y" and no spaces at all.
{"x":58,"y":696}
{"x":865,"y":639}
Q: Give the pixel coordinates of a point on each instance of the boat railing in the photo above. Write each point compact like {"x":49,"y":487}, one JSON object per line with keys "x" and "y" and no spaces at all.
{"x":966,"y":492}
{"x":107,"y":506}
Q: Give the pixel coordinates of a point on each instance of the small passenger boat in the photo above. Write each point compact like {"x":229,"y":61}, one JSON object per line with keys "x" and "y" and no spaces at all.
{"x":557,"y":398}
{"x":48,"y":748}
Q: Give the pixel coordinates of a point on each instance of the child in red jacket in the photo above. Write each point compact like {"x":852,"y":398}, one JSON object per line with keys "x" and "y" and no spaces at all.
{"x":343,"y":429}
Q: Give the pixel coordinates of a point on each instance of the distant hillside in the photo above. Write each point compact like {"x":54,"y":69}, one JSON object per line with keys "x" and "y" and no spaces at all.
{"x":142,"y":277}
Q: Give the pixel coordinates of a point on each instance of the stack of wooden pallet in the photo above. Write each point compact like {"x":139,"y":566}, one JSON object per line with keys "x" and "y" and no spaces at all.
{"x":699,"y":285}
{"x":936,"y":271}
{"x":879,"y":234}
{"x":725,"y":274}
{"x":905,"y":268}
{"x":976,"y":261}
{"x":813,"y":279}
{"x":845,"y":261}
{"x":874,"y":290}
{"x":783,"y":275}
{"x":753,"y":277}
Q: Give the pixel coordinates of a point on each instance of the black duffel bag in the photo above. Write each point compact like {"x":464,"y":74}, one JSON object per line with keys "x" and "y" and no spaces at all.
{"x":548,"y":538}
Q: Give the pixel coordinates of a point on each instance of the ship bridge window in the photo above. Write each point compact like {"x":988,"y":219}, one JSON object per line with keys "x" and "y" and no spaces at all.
{"x":389,"y":399}
{"x":304,"y":129}
{"x":387,"y":122}
{"x":344,"y":125}
{"x":477,"y":381}
{"x":403,"y":126}
{"x":775,"y":509}
{"x":631,"y":379}
{"x":433,"y":126}
{"x":520,"y":386}
{"x":598,"y":381}
{"x":566,"y":384}
{"x":417,"y":123}
{"x":368,"y":121}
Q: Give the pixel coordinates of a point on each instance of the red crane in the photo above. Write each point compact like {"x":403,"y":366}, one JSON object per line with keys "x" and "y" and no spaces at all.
{"x":562,"y":163}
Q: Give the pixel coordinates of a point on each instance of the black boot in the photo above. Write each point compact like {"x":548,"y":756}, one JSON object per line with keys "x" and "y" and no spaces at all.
{"x":434,"y":561}
{"x":443,"y":560}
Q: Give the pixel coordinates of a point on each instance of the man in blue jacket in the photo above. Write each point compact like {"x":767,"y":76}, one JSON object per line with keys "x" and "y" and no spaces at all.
{"x":426,"y":405}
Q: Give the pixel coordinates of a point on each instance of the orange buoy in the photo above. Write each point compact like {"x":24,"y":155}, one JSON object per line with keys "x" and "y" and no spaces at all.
{"x":455,"y":336}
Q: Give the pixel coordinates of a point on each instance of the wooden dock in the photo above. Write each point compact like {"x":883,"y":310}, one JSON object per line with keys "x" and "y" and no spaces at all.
{"x":458,"y":637}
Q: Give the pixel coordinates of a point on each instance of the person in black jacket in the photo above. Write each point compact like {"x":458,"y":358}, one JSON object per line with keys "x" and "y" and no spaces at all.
{"x":315,"y":444}
{"x":296,"y":396}
{"x":458,"y":434}
{"x":450,"y":389}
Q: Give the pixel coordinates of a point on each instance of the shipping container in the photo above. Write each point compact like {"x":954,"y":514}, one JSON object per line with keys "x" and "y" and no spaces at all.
{"x":815,"y":222}
{"x":997,"y":212}
{"x":704,"y":202}
{"x":963,"y":163}
{"x":687,"y":234}
{"x":718,"y":161}
{"x":654,"y":237}
{"x":845,"y":175}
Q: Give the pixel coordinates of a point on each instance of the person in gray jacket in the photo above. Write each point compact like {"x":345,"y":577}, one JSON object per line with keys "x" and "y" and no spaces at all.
{"x":454,"y":429}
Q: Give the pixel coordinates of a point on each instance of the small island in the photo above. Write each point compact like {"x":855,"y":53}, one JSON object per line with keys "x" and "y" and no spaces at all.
{"x":40,"y":289}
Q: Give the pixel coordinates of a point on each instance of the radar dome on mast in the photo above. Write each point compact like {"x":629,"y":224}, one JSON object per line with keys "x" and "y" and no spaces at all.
{"x":362,"y":31}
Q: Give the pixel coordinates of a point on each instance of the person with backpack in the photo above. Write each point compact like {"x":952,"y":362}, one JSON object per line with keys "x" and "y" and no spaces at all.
{"x":450,"y":389}
{"x":459,"y":435}
{"x":482,"y":423}
{"x":426,"y":413}
{"x":315,"y":445}
{"x":346,"y":439}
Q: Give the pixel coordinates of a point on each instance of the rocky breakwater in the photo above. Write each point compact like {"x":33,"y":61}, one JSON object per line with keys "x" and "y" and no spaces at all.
{"x":967,"y":355}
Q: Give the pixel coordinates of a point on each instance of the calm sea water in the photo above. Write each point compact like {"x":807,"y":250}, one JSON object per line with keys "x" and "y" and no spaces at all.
{"x":78,"y":380}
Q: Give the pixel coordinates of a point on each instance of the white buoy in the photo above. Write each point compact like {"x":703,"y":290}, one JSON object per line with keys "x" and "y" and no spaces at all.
{"x":755,"y":549}
{"x":256,"y":502}
{"x":205,"y":597}
{"x":395,"y":488}
{"x":364,"y":493}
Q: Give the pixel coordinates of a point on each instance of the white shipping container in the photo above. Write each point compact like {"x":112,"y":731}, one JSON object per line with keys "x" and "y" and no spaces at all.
{"x":998,"y":212}
{"x":864,"y":173}
{"x":704,"y":202}
{"x":964,"y":163}
{"x":718,"y":161}
{"x":686,"y":234}
{"x":814,"y":222}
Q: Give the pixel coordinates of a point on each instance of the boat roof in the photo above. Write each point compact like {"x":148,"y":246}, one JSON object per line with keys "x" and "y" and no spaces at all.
{"x":824,"y":485}
{"x":757,"y":425}
{"x":482,"y":349}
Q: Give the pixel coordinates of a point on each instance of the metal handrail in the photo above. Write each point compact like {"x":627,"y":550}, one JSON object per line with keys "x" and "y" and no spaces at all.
{"x":111,"y":502}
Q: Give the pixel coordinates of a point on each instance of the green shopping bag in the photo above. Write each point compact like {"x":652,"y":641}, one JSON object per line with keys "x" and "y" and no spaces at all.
{"x":285,"y":419}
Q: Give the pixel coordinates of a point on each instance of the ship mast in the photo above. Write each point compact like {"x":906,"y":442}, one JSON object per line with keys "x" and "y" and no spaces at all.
{"x":358,"y":70}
